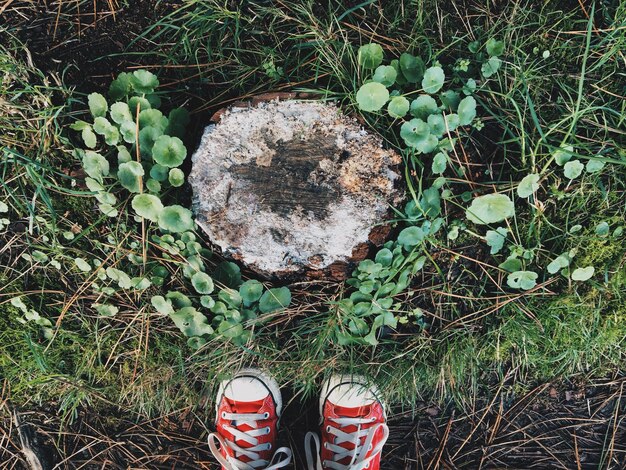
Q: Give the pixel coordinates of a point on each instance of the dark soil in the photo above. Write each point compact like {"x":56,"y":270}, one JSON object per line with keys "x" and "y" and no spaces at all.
{"x":79,"y":43}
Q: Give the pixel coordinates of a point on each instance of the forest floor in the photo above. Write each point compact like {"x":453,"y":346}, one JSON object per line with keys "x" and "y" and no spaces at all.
{"x":491,"y":377}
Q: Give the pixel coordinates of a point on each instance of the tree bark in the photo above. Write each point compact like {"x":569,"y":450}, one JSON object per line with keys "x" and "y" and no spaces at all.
{"x":293,"y":188}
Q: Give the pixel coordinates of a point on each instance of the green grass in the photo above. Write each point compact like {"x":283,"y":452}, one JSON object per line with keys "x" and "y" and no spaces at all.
{"x":482,"y":334}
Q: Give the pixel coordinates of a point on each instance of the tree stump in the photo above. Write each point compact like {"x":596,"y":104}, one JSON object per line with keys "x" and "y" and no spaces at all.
{"x":293,"y":188}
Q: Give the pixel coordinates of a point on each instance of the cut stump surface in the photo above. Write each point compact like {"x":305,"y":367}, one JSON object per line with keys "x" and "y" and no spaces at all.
{"x":293,"y":187}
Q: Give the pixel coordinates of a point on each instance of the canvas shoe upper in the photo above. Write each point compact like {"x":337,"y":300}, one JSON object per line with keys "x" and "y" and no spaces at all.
{"x":354,"y":428}
{"x":248,"y":408}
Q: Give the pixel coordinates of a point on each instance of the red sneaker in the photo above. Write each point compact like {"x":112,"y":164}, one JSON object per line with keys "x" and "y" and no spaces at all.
{"x":354,"y":426}
{"x":248,"y":407}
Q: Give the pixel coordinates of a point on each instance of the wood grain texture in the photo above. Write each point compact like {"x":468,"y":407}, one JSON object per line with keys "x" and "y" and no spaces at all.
{"x":293,"y":188}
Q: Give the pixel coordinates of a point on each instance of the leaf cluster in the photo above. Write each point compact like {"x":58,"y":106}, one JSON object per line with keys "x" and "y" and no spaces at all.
{"x":133,"y":151}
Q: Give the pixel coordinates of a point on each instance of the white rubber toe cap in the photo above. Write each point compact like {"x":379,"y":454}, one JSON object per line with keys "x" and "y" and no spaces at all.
{"x":348,"y":391}
{"x":250,"y":385}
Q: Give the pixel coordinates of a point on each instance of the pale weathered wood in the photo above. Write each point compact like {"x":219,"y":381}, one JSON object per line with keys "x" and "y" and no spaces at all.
{"x":293,"y":188}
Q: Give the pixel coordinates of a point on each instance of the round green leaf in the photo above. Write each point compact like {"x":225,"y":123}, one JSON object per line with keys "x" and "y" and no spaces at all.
{"x":603,"y":229}
{"x":207,"y":301}
{"x":511,"y":264}
{"x":202,"y":282}
{"x":495,"y":239}
{"x":372,"y":96}
{"x":491,"y":67}
{"x":140,"y":283}
{"x":95,"y":165}
{"x":128,"y":129}
{"x":558,"y":263}
{"x":89,"y":137}
{"x":437,"y":125}
{"x":583,"y":274}
{"x":162,"y":305}
{"x":233,"y":300}
{"x":169,"y":151}
{"x":453,"y":121}
{"x":143,"y":81}
{"x":370,"y":56}
{"x":494,"y":47}
{"x":154,"y":100}
{"x":82,"y":264}
{"x":79,"y":125}
{"x":528,"y":185}
{"x":440,"y":161}
{"x":250,"y":291}
{"x":100,"y":125}
{"x":97,"y":104}
{"x":103,"y":127}
{"x":176,"y":177}
{"x":427,"y":144}
{"x":594,"y":166}
{"x":411,"y":236}
{"x":178,"y":119}
{"x":469,"y":87}
{"x":573,"y":169}
{"x":106,"y":310}
{"x":123,"y":155}
{"x":275,"y":299}
{"x":108,"y":210}
{"x":563,"y":154}
{"x":398,"y":107}
{"x":451,"y":99}
{"x":412,"y":131}
{"x":412,"y":67}
{"x":400,"y":80}
{"x":129,"y":175}
{"x":147,"y":206}
{"x":230,"y":329}
{"x":111,"y":134}
{"x":524,"y":280}
{"x":228,"y":273}
{"x":153,"y":185}
{"x":138,"y":101}
{"x":120,"y":87}
{"x":153,"y":118}
{"x":467,"y":110}
{"x":119,"y":276}
{"x":159,"y":172}
{"x":384,"y":257}
{"x":191,"y":322}
{"x":433,"y":80}
{"x":120,"y":113}
{"x":416,"y":134}
{"x":423,"y":106}
{"x":385,"y":74}
{"x":430,"y":202}
{"x":178,"y":299}
{"x":176,"y":219}
{"x":148,"y":136}
{"x":490,"y":209}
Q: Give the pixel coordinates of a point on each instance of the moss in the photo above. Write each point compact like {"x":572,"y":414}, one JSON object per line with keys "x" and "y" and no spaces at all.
{"x":8,"y":315}
{"x":79,"y":209}
{"x":601,"y":253}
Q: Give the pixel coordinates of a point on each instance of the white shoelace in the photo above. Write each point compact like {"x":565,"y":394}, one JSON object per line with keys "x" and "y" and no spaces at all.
{"x":256,"y":462}
{"x":358,"y":461}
